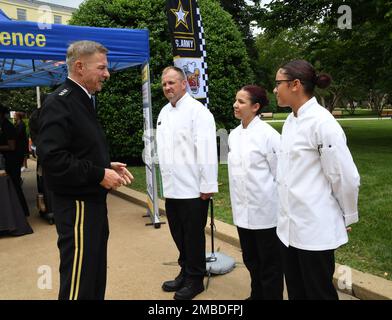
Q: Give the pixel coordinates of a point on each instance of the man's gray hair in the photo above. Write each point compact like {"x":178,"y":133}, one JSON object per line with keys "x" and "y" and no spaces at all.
{"x":82,"y":48}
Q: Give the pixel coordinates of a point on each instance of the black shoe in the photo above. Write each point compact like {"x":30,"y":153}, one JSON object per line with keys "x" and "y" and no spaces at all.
{"x":174,"y":285}
{"x":48,"y":216}
{"x":192,"y":287}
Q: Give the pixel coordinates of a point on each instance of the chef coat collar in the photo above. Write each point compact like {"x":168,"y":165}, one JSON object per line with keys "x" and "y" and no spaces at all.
{"x":306,"y":106}
{"x":179,"y":102}
{"x":254,"y":121}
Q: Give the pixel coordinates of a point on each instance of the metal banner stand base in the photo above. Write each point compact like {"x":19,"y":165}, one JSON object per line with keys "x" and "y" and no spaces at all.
{"x":218,"y":263}
{"x":156,"y":225}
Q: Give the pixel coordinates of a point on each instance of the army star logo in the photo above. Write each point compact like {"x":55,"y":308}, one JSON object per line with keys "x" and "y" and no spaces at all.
{"x":180,"y":15}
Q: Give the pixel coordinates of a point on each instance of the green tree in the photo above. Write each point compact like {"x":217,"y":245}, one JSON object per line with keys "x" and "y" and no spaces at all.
{"x":245,"y":15}
{"x":228,"y":63}
{"x":278,"y":49}
{"x":121,"y":102}
{"x":22,"y":99}
{"x":359,"y":59}
{"x":273,"y":51}
{"x":19,"y":99}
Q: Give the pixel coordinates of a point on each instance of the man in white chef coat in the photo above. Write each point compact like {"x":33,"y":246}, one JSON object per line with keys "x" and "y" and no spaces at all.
{"x":187,"y":153}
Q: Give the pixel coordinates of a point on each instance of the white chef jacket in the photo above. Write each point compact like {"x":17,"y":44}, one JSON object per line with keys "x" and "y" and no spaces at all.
{"x":318,"y":182}
{"x":252,"y":163}
{"x":187,"y":151}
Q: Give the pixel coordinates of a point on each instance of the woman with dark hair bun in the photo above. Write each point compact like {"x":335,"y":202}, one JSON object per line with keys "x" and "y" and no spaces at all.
{"x":318,"y":185}
{"x":254,"y":199}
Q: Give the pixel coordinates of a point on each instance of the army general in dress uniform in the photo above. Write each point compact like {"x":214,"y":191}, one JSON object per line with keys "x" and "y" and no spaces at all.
{"x":75,"y":159}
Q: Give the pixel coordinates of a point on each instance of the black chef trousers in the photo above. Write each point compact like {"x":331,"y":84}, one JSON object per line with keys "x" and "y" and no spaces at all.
{"x":83,"y":232}
{"x":309,"y":274}
{"x":187,"y":219}
{"x":260,"y":252}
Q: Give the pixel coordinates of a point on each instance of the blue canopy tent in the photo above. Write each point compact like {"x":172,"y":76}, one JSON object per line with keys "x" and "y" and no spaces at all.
{"x":33,"y":54}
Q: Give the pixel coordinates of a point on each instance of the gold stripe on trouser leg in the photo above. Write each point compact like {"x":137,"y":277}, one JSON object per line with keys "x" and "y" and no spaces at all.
{"x":81,"y":250}
{"x":71,"y":296}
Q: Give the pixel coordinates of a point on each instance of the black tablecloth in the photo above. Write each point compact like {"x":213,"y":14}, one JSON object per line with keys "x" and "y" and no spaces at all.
{"x":12,"y":218}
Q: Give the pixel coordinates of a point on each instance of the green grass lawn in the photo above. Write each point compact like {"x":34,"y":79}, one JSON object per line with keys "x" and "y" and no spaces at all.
{"x":370,"y":245}
{"x":359,"y":113}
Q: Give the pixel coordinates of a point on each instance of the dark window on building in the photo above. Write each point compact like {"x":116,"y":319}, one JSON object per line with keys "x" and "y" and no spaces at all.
{"x":57,"y":19}
{"x":21,"y":14}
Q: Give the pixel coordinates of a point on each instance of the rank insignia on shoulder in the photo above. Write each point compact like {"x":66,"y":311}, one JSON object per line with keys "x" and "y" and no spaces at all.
{"x":64,"y":92}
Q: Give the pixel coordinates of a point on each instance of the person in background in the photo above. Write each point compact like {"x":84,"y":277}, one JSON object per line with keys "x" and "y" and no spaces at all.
{"x":44,"y":197}
{"x":22,"y":141}
{"x":252,"y":162}
{"x":76,"y":165}
{"x":33,"y":128}
{"x":318,"y":185}
{"x":187,"y":152}
{"x":9,"y":145}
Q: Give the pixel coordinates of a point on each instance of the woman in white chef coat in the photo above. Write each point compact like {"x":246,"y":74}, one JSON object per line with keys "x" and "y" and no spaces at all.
{"x":318,"y":185}
{"x":252,"y":168}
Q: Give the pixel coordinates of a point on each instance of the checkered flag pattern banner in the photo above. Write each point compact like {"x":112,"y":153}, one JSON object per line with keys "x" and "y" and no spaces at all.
{"x":203,"y":53}
{"x":188,"y":43}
